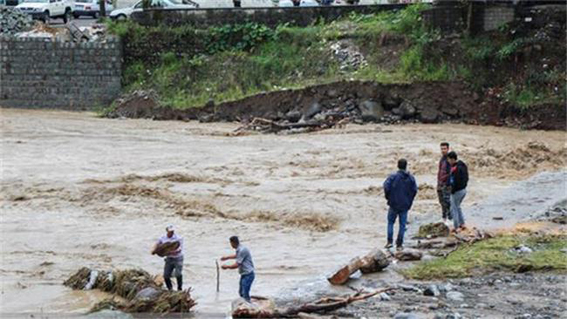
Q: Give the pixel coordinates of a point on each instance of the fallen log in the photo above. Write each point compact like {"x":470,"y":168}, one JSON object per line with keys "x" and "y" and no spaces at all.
{"x":375,"y":261}
{"x":328,"y":304}
{"x":342,"y":275}
{"x":242,"y":309}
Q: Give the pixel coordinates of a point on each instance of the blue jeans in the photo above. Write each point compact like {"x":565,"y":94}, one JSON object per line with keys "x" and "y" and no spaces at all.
{"x":456,"y":212}
{"x":245,"y":285}
{"x":392,"y":215}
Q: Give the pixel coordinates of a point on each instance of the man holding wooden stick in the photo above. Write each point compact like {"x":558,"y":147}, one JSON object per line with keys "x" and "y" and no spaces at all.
{"x":245,"y":267}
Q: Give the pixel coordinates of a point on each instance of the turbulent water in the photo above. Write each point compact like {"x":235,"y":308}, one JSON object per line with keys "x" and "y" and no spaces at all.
{"x":83,"y":191}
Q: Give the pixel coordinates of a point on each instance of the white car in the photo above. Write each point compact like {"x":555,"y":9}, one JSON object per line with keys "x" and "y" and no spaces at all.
{"x":90,"y":8}
{"x":124,"y":13}
{"x":47,"y":9}
{"x":302,"y":3}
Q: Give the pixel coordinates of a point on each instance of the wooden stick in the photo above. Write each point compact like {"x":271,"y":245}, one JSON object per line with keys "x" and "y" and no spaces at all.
{"x":218,"y":275}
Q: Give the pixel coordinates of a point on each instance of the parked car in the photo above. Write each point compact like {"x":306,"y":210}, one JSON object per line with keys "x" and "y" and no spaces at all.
{"x":298,"y":3}
{"x":48,"y":9}
{"x":125,"y":13}
{"x":10,"y":3}
{"x":90,"y":8}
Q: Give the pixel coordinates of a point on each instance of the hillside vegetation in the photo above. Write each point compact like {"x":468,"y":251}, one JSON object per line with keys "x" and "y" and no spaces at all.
{"x":190,"y":67}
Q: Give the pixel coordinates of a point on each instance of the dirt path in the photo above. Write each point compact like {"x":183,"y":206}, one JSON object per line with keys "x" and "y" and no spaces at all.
{"x":83,"y":191}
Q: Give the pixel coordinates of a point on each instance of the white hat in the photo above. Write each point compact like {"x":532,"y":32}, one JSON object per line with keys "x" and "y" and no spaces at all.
{"x":170,"y":228}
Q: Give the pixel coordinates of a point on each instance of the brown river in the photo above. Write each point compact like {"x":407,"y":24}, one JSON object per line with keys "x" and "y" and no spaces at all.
{"x":78,"y":190}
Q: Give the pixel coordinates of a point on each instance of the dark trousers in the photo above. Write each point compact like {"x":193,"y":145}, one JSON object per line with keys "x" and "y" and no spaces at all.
{"x":172,"y":264}
{"x":392,"y":216}
{"x":236,"y":4}
{"x":444,"y":196}
{"x":245,"y":285}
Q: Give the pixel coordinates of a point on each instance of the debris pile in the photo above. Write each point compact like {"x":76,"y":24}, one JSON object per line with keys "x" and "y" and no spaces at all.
{"x":433,"y":230}
{"x":42,"y":30}
{"x":13,"y":21}
{"x":348,"y":55}
{"x":138,"y":287}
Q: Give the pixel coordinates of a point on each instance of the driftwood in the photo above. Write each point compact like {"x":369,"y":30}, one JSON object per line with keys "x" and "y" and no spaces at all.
{"x":375,"y":261}
{"x":138,"y":288}
{"x":268,"y":126}
{"x":467,"y":237}
{"x":319,"y":306}
{"x":165,"y":249}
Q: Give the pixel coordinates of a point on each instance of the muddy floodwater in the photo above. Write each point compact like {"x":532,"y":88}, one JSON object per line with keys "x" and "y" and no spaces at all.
{"x":78,"y":190}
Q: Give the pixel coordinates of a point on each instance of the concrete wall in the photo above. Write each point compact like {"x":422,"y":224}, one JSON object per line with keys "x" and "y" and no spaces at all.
{"x":44,"y":73}
{"x":494,"y":17}
{"x":299,"y":16}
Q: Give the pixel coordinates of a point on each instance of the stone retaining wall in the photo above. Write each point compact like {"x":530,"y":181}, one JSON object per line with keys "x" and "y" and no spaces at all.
{"x":45,"y":73}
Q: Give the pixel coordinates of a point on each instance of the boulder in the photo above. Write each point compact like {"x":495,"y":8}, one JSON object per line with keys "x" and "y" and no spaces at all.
{"x":455,"y":296}
{"x":432,"y":291}
{"x":311,"y":110}
{"x":371,"y":111}
{"x":407,"y":110}
{"x":293,"y":116}
{"x":429,"y":115}
{"x":450,"y":110}
{"x":408,"y":254}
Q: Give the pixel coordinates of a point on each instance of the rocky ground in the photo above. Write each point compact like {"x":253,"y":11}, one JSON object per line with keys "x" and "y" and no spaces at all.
{"x":499,"y":295}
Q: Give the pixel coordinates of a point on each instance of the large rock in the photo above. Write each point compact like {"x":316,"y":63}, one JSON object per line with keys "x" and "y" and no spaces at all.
{"x":455,"y":296}
{"x":429,"y":115}
{"x":371,"y":111}
{"x":310,"y":111}
{"x":408,"y":254}
{"x":407,"y":110}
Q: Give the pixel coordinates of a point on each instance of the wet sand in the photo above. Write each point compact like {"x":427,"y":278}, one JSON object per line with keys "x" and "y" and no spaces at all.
{"x":78,"y":191}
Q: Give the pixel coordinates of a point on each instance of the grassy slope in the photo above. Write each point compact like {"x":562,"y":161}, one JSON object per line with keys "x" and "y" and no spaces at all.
{"x":189,"y":67}
{"x":496,"y":254}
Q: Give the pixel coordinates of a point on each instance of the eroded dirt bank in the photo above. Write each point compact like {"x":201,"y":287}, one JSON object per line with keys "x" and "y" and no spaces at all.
{"x":357,"y":101}
{"x":83,"y":191}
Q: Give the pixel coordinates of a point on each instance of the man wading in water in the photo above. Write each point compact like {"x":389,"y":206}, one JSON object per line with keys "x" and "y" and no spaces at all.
{"x":173,"y":260}
{"x":245,"y":267}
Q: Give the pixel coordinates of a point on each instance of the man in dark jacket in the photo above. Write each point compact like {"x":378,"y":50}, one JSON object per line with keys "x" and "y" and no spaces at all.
{"x":443,"y":188}
{"x":458,"y":180}
{"x":400,"y":189}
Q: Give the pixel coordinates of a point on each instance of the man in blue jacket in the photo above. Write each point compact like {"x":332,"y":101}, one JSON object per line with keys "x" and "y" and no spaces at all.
{"x":400,"y":189}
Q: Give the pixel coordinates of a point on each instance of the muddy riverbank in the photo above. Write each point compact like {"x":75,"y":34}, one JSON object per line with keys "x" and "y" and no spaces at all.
{"x":355,"y":102}
{"x":84,"y":191}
